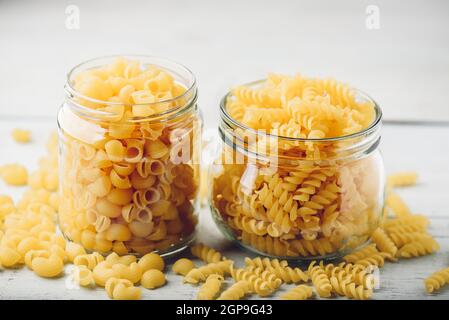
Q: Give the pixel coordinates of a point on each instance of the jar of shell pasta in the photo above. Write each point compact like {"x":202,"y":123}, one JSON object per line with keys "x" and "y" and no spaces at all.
{"x":129,"y":134}
{"x":299,"y":175}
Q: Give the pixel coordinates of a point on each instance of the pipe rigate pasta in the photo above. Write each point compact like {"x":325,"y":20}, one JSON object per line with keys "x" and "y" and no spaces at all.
{"x":122,"y":289}
{"x":200,"y":274}
{"x":301,"y":292}
{"x":152,"y":279}
{"x":123,"y":155}
{"x":47,"y":267}
{"x":205,"y":253}
{"x":183,"y":266}
{"x":437,"y":280}
{"x":211,"y":287}
{"x":21,"y":135}
{"x":89,"y":260}
{"x":14,"y":174}
{"x":151,"y":261}
{"x":103,"y":272}
{"x":237,"y":291}
{"x":83,"y":276}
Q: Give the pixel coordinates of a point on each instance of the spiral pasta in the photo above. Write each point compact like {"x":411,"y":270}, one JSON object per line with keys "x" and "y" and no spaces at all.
{"x":345,"y":287}
{"x":418,"y":248}
{"x":205,"y":253}
{"x":320,"y":280}
{"x":200,"y":274}
{"x":301,"y":292}
{"x":383,"y":242}
{"x":257,"y":284}
{"x":437,"y":280}
{"x":236,"y":291}
{"x":211,"y":287}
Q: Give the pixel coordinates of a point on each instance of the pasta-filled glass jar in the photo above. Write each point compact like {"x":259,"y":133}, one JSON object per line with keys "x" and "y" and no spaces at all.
{"x":129,"y":131}
{"x":299,"y":175}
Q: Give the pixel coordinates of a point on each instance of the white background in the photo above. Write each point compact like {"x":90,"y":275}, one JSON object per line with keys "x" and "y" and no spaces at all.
{"x":404,"y":65}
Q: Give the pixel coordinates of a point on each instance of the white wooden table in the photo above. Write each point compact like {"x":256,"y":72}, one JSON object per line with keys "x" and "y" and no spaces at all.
{"x":421,"y":148}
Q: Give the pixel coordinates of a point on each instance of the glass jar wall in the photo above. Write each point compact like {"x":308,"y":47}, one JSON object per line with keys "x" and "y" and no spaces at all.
{"x":294,"y":198}
{"x":129,"y":159}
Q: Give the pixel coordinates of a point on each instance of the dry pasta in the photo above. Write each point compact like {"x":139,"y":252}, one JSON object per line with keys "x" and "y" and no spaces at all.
{"x":124,"y":161}
{"x":211,"y":287}
{"x":21,"y":135}
{"x":437,"y":280}
{"x":301,"y":292}
{"x":205,"y":253}
{"x":237,"y":291}
{"x":153,"y":279}
{"x":14,"y":174}
{"x":183,"y":266}
{"x":297,"y":198}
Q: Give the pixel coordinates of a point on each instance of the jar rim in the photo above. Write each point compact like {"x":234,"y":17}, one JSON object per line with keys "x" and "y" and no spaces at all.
{"x":372,"y":127}
{"x":190,"y":89}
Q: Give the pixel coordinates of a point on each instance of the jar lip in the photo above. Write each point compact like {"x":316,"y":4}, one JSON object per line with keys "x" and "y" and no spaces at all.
{"x":71,"y":91}
{"x":372,"y":127}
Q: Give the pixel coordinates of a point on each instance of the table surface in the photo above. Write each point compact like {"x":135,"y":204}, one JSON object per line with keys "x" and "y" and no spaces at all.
{"x":424,"y":149}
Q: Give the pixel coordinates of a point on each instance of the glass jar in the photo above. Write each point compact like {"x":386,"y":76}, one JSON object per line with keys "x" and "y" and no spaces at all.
{"x":145,"y":200}
{"x":297,"y":199}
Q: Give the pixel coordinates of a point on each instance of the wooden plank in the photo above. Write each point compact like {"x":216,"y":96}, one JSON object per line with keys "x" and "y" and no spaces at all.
{"x":424,"y":149}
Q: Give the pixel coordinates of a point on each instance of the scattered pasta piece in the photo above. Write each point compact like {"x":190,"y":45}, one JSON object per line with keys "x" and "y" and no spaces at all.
{"x":383,"y":242}
{"x":21,"y":135}
{"x":153,"y":279}
{"x":402,"y":179}
{"x":205,"y":253}
{"x":301,"y":292}
{"x":437,"y":280}
{"x":121,"y":289}
{"x":237,"y":291}
{"x":183,"y":266}
{"x":211,"y":287}
{"x":200,"y":274}
{"x":151,"y":261}
{"x":14,"y":174}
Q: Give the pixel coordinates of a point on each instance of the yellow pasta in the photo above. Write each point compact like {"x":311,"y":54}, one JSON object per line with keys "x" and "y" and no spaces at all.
{"x":14,"y":174}
{"x":402,"y":179}
{"x":122,"y":289}
{"x":151,"y":261}
{"x":183,"y":266}
{"x":21,"y":135}
{"x":83,"y":276}
{"x":301,"y":292}
{"x":211,"y":287}
{"x":205,"y":253}
{"x":47,"y":267}
{"x":437,"y":280}
{"x":200,"y":274}
{"x":123,"y":158}
{"x":153,"y":279}
{"x":237,"y":291}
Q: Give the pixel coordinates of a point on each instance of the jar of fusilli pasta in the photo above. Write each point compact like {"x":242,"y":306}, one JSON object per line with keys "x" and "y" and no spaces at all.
{"x":129,"y":133}
{"x":299,"y":174}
